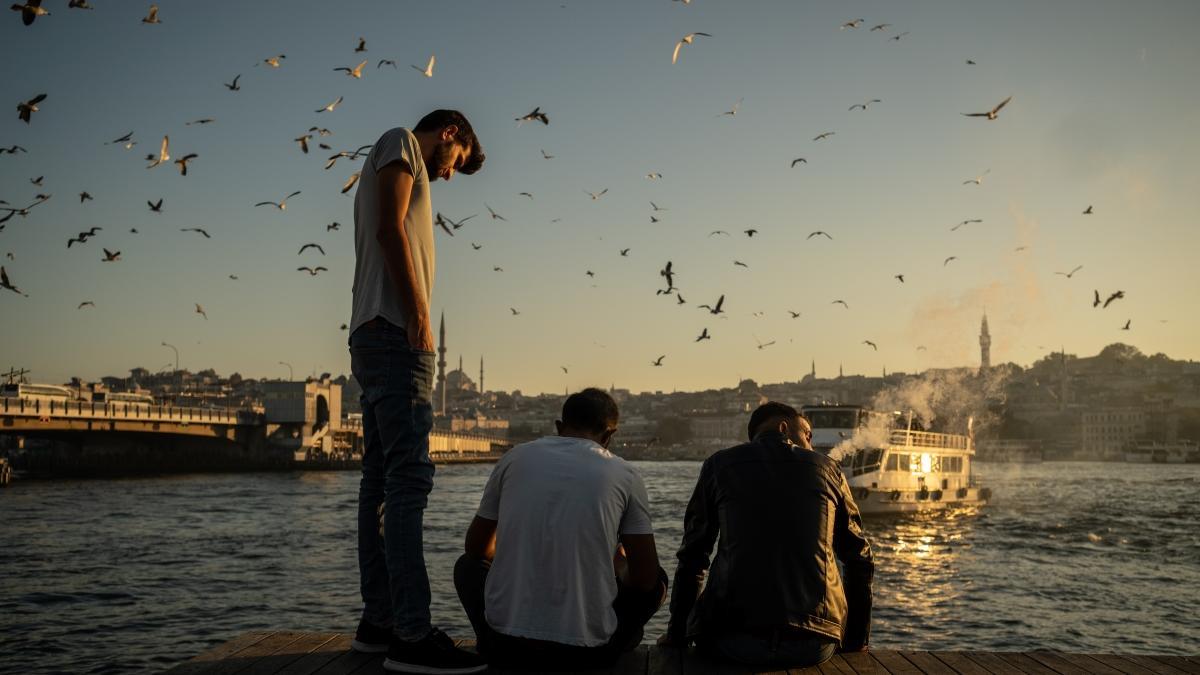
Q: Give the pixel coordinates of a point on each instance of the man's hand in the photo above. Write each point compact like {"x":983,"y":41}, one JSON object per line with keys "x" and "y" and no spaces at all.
{"x":420,"y":332}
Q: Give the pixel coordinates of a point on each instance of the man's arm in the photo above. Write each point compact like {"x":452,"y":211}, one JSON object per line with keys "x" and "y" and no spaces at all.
{"x":395,"y":191}
{"x":700,"y":529}
{"x":853,"y":549}
{"x":641,"y":561}
{"x":481,"y":539}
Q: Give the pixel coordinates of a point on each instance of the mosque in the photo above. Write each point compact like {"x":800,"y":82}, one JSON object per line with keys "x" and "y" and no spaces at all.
{"x":457,"y":399}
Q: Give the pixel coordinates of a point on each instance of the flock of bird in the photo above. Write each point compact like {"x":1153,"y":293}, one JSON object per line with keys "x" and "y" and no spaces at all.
{"x":27,"y":111}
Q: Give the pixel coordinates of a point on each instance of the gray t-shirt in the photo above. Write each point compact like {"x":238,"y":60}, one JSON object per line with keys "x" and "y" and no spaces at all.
{"x":374,"y":293}
{"x":561,"y":504}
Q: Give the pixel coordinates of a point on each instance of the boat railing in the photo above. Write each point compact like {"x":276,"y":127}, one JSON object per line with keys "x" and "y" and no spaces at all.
{"x":929,"y":439}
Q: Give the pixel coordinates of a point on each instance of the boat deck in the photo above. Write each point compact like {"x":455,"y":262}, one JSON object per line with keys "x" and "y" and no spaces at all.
{"x":302,"y":653}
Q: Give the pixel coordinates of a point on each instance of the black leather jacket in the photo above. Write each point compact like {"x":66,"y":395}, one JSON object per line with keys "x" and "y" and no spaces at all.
{"x":783,"y":514}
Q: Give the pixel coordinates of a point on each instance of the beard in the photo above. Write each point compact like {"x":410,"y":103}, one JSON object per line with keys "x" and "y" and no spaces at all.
{"x":441,"y":158}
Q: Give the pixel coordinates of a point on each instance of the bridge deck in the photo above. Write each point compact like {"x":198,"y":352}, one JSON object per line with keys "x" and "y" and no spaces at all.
{"x":301,"y":653}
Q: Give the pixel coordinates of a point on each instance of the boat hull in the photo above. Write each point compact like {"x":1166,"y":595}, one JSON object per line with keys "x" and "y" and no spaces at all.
{"x":876,"y":502}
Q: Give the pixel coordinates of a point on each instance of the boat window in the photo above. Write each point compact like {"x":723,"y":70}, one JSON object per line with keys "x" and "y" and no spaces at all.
{"x":866,"y":461}
{"x":836,"y":419}
{"x":891,"y":462}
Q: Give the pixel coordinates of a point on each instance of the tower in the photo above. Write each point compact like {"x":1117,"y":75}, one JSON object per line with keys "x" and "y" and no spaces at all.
{"x":985,"y":346}
{"x":481,"y":375}
{"x":441,"y":376}
{"x":839,"y":370}
{"x":813,"y":373}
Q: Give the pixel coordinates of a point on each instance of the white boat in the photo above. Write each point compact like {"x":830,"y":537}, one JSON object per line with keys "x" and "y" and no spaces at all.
{"x":1145,"y":452}
{"x":892,"y":467}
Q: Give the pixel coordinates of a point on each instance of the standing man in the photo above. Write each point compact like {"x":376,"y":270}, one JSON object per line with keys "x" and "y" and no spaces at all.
{"x":391,"y":356}
{"x":774,"y":598}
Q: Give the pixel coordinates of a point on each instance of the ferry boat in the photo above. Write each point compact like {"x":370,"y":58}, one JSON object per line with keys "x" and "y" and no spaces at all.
{"x":892,"y":467}
{"x":1162,"y":453}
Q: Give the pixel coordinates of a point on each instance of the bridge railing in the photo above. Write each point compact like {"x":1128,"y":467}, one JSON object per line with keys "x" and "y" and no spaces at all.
{"x":123,"y":411}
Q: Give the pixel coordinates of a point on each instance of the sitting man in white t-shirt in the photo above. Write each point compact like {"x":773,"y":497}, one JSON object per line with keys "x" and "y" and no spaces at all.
{"x":560,"y":570}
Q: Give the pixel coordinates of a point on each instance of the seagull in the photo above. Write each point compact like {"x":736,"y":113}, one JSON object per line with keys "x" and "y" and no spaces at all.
{"x":206,"y":120}
{"x":343,"y":327}
{"x":334,"y":226}
{"x":27,"y":108}
{"x":624,"y":253}
{"x":196,"y":229}
{"x":827,"y":134}
{"x":658,"y":361}
{"x":751,"y":232}
{"x":86,"y":303}
{"x":84,"y":196}
{"x":427,"y":71}
{"x":882,"y":26}
{"x":514,"y":311}
{"x":819,"y":232}
{"x":124,"y":139}
{"x":303,"y":141}
{"x":840,"y":302}
{"x":596,"y":195}
{"x":152,"y":16}
{"x":182,"y":163}
{"x":201,"y":312}
{"x":921,"y":348}
{"x":233,"y":276}
{"x":733,"y":111}
{"x":13,"y":149}
{"x":653,"y":175}
{"x":312,"y":271}
{"x":977,"y":179}
{"x":900,"y":35}
{"x":590,"y":273}
{"x":741,"y":264}
{"x":685,"y":40}
{"x":351,"y":181}
{"x":355,"y":72}
{"x":564,"y":369}
{"x":282,"y":204}
{"x":1071,"y":273}
{"x":476,"y":246}
{"x":1088,"y":210}
{"x":1020,"y":248}
{"x":970,"y":62}
{"x":155,"y":206}
{"x":864,"y":105}
{"x":460,"y":223}
{"x":653,"y":219}
{"x":947,"y":260}
{"x":991,"y":114}
{"x":799,"y":160}
{"x":1115,"y":296}
{"x":852,"y":24}
{"x":495,"y":216}
{"x":274,"y":60}
{"x":704,"y":335}
{"x":525,"y":194}
{"x":679,"y":299}
{"x":717,"y":309}
{"x":900,"y":277}
{"x":385,"y":61}
{"x":656,"y":207}
{"x":1096,"y":301}
{"x":163,"y":154}
{"x":545,"y":156}
{"x":233,"y":86}
{"x":763,"y":345}
{"x":37,"y":181}
{"x":1127,"y":322}
{"x":966,"y":222}
{"x":331,"y":106}
{"x":669,"y":275}
{"x":872,"y":344}
{"x":31,"y":10}
{"x":5,"y":283}
{"x":310,"y":245}
{"x":536,"y":114}
{"x":319,"y":130}
{"x":111,"y":256}
{"x":362,"y":45}
{"x":715,"y":232}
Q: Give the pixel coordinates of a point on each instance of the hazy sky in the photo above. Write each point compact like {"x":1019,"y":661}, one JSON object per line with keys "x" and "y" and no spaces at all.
{"x":1105,"y":100}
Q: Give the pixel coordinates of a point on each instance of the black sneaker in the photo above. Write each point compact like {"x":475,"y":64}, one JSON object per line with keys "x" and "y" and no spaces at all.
{"x":370,"y":638}
{"x":434,"y":654}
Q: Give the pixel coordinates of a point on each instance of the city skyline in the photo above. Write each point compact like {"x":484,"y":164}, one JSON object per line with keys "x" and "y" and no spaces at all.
{"x":1097,"y":122}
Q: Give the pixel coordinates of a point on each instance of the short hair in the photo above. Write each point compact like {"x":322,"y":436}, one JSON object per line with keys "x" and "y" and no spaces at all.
{"x":768,"y":411}
{"x":440,"y":119}
{"x":591,"y":410}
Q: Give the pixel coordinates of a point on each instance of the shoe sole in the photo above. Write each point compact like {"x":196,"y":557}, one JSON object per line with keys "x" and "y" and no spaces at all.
{"x":400,"y":667}
{"x":368,"y":648}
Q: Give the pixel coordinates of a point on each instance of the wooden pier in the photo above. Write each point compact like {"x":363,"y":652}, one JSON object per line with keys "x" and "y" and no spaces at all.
{"x":301,"y":653}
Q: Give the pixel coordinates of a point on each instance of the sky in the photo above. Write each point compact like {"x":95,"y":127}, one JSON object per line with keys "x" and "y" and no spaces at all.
{"x":1103,"y":114}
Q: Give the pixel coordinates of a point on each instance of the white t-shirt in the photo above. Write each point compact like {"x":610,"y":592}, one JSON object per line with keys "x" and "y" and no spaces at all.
{"x":561,"y":504}
{"x":374,"y":293}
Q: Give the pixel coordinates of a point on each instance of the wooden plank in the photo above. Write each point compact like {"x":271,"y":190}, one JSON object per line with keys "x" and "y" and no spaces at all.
{"x":631,"y":662}
{"x":1024,"y":663}
{"x":318,"y":657}
{"x":863,"y":664}
{"x":992,"y":662}
{"x":1181,"y":662}
{"x":1065,"y":664}
{"x":664,"y":661}
{"x":959,"y":663}
{"x":1152,"y":664}
{"x":1118,"y":663}
{"x":694,"y":663}
{"x":201,"y":661}
{"x":350,"y":661}
{"x":246,"y":658}
{"x":835,"y":666}
{"x":926,"y":662}
{"x":286,"y":654}
{"x":893,"y":662}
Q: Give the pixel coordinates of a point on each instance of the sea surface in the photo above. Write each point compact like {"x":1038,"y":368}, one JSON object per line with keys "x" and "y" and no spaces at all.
{"x":136,"y":575}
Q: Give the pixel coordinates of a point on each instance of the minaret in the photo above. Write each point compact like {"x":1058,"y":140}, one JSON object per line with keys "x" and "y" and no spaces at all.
{"x":481,"y":374}
{"x":814,"y":369}
{"x":460,"y":365}
{"x":985,"y":347}
{"x":441,"y":376}
{"x":839,"y":370}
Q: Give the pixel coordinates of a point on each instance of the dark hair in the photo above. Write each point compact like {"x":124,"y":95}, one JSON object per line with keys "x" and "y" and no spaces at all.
{"x":590,"y":410}
{"x":767,"y":412}
{"x":440,"y":119}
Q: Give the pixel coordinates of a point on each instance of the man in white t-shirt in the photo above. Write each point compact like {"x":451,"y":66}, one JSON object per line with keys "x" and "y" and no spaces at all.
{"x":560,"y":570}
{"x":391,"y":356}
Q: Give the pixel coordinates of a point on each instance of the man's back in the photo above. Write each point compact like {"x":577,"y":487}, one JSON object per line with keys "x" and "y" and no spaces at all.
{"x":784,"y":516}
{"x":561,"y":504}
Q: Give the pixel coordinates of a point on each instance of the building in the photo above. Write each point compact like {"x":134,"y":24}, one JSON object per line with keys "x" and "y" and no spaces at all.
{"x":985,"y":346}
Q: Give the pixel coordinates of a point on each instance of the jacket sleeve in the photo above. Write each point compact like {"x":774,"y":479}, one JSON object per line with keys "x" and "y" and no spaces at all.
{"x":853,"y":549}
{"x":699,"y":534}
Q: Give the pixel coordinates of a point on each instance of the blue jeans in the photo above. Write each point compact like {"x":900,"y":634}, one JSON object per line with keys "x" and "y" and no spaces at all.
{"x":396,"y":383}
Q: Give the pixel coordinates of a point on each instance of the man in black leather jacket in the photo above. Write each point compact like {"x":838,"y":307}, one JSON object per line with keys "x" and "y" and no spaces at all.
{"x":784,"y":515}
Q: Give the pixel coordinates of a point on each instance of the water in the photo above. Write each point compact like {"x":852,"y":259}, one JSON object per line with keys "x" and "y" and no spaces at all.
{"x":109,"y":576}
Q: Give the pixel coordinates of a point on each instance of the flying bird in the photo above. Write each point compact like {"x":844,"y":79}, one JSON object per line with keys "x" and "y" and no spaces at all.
{"x":311,"y":245}
{"x":840,"y":302}
{"x":564,"y":369}
{"x":685,"y":40}
{"x":1096,"y":300}
{"x":872,"y":344}
{"x":476,"y":246}
{"x":764,"y":345}
{"x":383,"y":62}
{"x":201,"y":312}
{"x":900,"y":35}
{"x":545,"y":156}
{"x":826,"y":134}
{"x":536,"y":114}
{"x":514,"y":311}
{"x":12,"y":150}
{"x":1117,"y":295}
{"x":281,"y":204}
{"x":155,"y":206}
{"x":656,"y":207}
{"x":624,"y":253}
{"x":991,"y":114}
{"x":5,"y":283}
{"x":819,"y":232}
{"x":111,"y":256}
{"x":750,"y":232}
{"x":355,"y":72}
{"x":716,"y":232}
{"x":1088,"y":210}
{"x":86,"y":303}
{"x":182,"y":163}
{"x":1127,"y":322}
{"x":84,"y":196}
{"x":27,"y":108}
{"x":732,"y":112}
{"x":669,"y":275}
{"x":704,"y":335}
{"x":739,"y":263}
{"x":715,"y":309}
{"x":312,"y":271}
{"x":333,"y":227}
{"x":900,"y":277}
{"x":947,"y":260}
{"x":799,"y":160}
{"x":966,"y":222}
{"x":233,"y":86}
{"x":459,"y":223}
{"x":1071,"y":273}
{"x":362,"y":45}
{"x":497,"y":268}
{"x":852,"y":24}
{"x":495,"y":216}
{"x":596,"y":195}
{"x":204,"y":120}
{"x":152,"y":15}
{"x":201,"y":230}
{"x":525,"y":194}
{"x":977,"y":179}
{"x":351,"y":181}
{"x":864,"y":105}
{"x":30,"y":11}
{"x":163,"y":154}
{"x":274,"y":60}
{"x":653,"y":175}
{"x":882,"y":26}
{"x":427,"y":71}
{"x":331,"y":106}
{"x":658,"y":361}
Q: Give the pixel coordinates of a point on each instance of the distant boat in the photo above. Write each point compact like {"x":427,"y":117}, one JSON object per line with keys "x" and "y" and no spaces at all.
{"x":1154,"y":452}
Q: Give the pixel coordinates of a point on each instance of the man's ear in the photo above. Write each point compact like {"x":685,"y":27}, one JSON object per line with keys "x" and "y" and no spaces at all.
{"x":558,"y":427}
{"x":606,"y":437}
{"x":449,"y":132}
{"x":783,"y":427}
